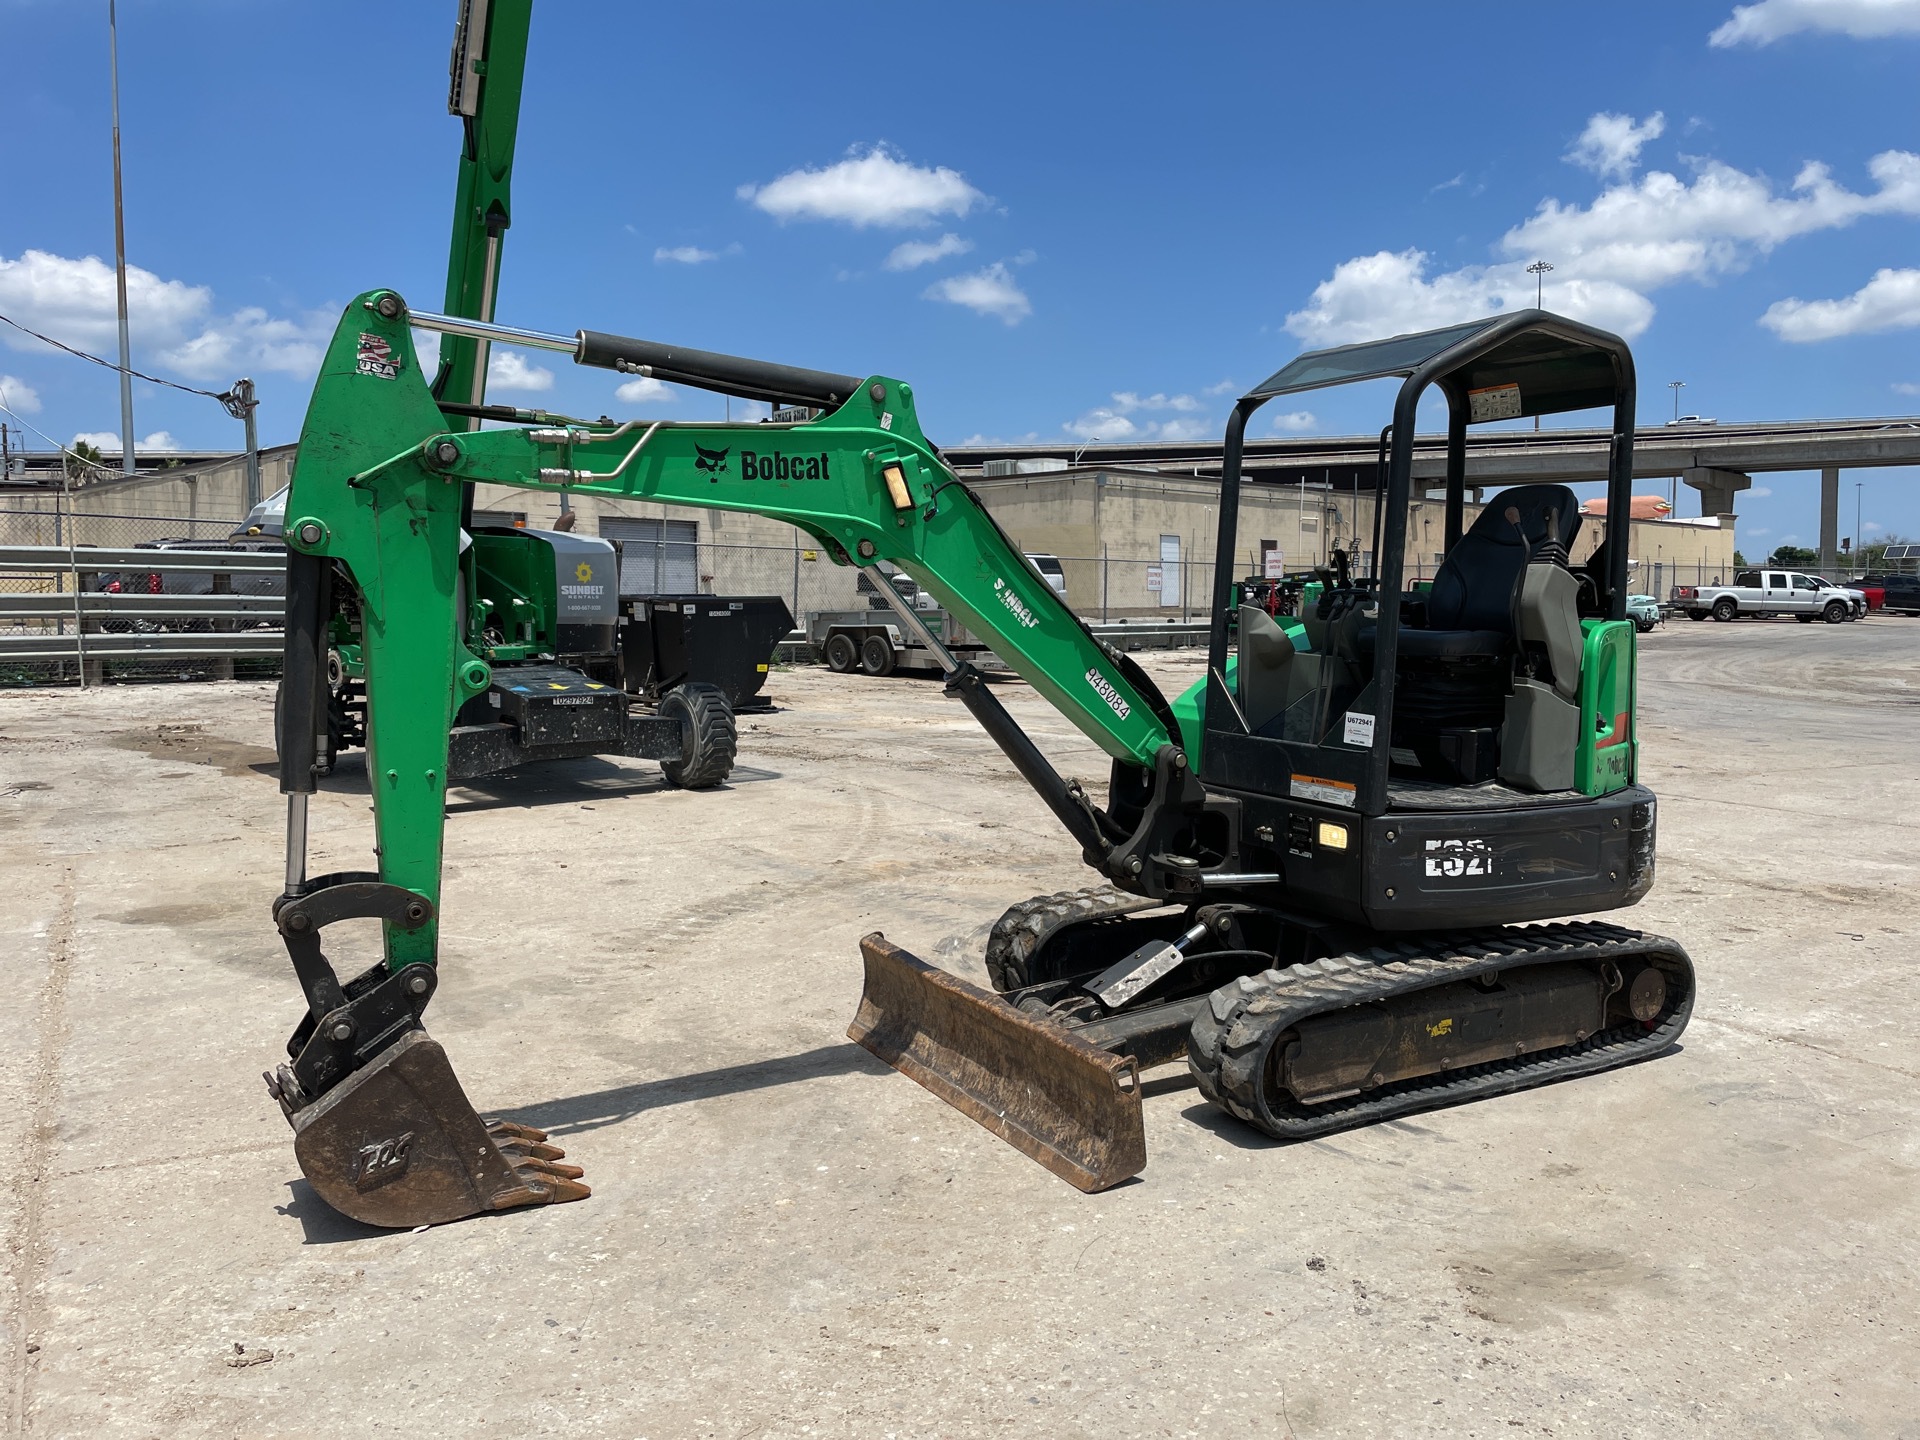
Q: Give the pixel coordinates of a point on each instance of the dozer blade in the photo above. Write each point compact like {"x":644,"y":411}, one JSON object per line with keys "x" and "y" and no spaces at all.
{"x":397,"y":1144}
{"x":1070,"y":1105}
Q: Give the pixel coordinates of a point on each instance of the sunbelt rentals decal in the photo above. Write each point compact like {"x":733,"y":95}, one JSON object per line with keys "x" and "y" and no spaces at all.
{"x":1015,"y":605}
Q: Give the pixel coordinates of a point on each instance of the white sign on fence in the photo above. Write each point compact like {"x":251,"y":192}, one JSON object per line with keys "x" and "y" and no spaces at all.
{"x":1153,"y":579}
{"x":1276,"y":564}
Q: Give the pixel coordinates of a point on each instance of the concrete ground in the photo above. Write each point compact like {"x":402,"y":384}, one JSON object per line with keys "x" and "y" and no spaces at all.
{"x":787,"y":1239}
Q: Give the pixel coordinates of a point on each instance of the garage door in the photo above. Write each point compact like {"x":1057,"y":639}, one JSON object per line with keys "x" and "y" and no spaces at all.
{"x":657,"y":557}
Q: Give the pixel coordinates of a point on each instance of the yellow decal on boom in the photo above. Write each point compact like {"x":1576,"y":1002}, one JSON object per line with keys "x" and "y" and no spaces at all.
{"x":1439,"y":1028}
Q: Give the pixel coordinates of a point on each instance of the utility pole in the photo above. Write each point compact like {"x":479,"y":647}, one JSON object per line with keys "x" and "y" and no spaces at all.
{"x":127,"y":465}
{"x":241,"y":404}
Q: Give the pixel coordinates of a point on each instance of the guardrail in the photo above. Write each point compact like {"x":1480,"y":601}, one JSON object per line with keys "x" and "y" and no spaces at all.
{"x":90,"y":628}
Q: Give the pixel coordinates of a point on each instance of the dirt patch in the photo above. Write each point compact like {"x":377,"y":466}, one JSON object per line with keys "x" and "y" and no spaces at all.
{"x":191,"y":745}
{"x":183,"y":914}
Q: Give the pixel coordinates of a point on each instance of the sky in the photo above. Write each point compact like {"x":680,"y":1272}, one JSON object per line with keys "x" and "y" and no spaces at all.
{"x":1054,"y":220}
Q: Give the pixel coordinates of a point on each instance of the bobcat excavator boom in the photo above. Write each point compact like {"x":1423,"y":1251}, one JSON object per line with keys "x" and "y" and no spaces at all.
{"x":1313,"y":859}
{"x":382,"y":1129}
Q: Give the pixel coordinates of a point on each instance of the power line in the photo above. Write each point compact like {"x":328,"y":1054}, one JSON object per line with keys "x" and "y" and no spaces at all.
{"x":222,"y":397}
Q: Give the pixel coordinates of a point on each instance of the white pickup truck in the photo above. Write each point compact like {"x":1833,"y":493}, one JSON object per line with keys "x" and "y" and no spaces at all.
{"x":1761,"y":593}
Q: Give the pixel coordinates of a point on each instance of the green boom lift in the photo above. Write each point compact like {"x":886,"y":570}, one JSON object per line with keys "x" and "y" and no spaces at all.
{"x":1313,"y":862}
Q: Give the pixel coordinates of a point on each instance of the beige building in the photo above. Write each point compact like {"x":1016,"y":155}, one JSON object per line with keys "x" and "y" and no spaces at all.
{"x":1131,"y":541}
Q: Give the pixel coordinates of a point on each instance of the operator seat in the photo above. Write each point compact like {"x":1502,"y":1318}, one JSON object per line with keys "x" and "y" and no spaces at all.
{"x":1471,"y":609}
{"x":1489,"y":666}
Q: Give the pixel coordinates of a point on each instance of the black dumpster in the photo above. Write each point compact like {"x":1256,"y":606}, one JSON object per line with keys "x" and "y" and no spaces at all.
{"x":725,"y":640}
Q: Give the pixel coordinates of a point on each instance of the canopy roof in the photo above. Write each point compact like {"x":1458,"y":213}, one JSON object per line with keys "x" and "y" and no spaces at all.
{"x":1529,"y":362}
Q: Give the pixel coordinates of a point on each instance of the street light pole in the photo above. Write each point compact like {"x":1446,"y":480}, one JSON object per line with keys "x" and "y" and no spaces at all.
{"x":1859,"y":540}
{"x":127,"y":464}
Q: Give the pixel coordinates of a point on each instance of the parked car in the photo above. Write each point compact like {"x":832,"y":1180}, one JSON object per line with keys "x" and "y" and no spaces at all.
{"x":1051,"y":571}
{"x":1644,"y":611}
{"x":1761,"y":593}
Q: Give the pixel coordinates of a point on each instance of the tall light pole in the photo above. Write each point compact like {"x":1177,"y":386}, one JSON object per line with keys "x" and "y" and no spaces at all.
{"x":127,"y":465}
{"x":1538,"y":269}
{"x":1673,"y":495}
{"x":1859,"y":540}
{"x":1676,"y":386}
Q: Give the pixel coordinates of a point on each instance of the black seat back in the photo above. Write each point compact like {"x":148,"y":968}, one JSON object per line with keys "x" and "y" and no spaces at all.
{"x":1474,"y":589}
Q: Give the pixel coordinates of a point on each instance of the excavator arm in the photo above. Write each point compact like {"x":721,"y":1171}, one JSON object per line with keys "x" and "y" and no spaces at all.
{"x":375,"y":504}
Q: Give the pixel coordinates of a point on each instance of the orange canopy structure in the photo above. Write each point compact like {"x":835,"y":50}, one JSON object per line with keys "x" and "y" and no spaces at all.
{"x":1645,"y":507}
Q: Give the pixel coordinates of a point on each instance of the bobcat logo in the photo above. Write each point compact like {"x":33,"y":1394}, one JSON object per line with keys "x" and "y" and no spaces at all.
{"x":714,"y":462}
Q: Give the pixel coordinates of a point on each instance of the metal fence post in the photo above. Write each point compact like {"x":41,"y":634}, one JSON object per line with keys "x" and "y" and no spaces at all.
{"x":73,"y":573}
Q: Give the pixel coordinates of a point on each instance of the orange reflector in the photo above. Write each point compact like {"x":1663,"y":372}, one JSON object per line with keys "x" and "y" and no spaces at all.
{"x":896,"y":479}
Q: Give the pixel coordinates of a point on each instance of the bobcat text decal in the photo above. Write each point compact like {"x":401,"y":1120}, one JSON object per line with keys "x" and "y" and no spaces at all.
{"x":783,"y":467}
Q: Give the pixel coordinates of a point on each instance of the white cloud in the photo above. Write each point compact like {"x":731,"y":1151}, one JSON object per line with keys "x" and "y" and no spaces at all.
{"x":991,"y":291}
{"x":1759,"y":492}
{"x":107,"y":442}
{"x":690,"y":254}
{"x":1610,"y":145}
{"x":1222,"y":387}
{"x":510,"y":370}
{"x":1294,"y":422}
{"x":1772,"y":20}
{"x":874,"y":187}
{"x":1122,"y":419}
{"x":645,"y":390}
{"x":911,"y":254}
{"x":17,"y":395}
{"x":1128,"y":400}
{"x":1889,"y":301}
{"x":249,"y":341}
{"x":1872,"y":527}
{"x":74,"y":301}
{"x":1905,"y":387}
{"x":1635,"y":237}
{"x":1388,"y":294}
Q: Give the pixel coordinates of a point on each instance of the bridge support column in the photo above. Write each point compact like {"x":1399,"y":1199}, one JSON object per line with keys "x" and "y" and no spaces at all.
{"x":1717,"y":487}
{"x":1830,"y":521}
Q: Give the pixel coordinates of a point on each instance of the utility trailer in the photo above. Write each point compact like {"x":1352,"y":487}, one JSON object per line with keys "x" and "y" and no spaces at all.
{"x":875,"y":641}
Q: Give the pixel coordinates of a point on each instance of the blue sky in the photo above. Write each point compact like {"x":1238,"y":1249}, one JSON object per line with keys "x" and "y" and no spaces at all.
{"x":1053,"y":219}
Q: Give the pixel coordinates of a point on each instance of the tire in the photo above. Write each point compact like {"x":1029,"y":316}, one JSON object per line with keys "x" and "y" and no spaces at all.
{"x":1724,"y":608}
{"x":1696,"y":614}
{"x":1835,"y":613}
{"x":841,"y":653}
{"x":876,"y":655}
{"x":1804,"y":619}
{"x":1643,"y":626}
{"x":707,"y":735}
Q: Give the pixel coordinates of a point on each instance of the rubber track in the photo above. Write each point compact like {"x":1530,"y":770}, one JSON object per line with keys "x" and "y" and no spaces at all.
{"x":1230,"y":1040}
{"x":1019,"y":933}
{"x":714,"y":738}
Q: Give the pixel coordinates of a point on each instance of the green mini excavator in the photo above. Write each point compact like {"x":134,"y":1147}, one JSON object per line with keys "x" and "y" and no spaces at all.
{"x":1315,"y":866}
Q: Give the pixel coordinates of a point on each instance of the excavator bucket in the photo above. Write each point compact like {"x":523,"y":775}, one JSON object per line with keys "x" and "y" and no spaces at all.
{"x":397,"y":1144}
{"x":1070,"y":1105}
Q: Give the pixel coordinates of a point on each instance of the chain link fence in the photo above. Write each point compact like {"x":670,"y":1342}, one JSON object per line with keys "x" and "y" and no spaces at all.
{"x":662,"y":557}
